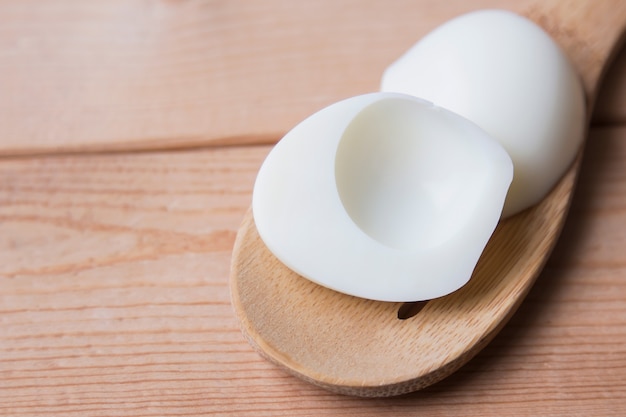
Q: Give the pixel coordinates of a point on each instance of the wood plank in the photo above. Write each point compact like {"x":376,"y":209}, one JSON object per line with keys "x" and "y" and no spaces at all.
{"x":134,"y":74}
{"x":114,"y":299}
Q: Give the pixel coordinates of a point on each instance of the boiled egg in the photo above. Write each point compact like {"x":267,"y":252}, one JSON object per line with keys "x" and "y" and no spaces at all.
{"x":504,"y":73}
{"x":383,"y":196}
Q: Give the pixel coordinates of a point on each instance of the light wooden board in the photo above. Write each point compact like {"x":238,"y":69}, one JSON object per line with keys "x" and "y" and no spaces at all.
{"x":114,"y":296}
{"x":135,"y":74}
{"x":114,"y":299}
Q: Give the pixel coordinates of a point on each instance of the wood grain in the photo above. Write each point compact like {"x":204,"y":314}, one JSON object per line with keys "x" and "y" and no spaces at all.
{"x":168,"y":74}
{"x":114,"y":299}
{"x":114,"y":296}
{"x":165,"y":74}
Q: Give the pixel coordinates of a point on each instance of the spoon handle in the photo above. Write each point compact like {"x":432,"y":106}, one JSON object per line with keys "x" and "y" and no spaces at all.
{"x":589,"y":31}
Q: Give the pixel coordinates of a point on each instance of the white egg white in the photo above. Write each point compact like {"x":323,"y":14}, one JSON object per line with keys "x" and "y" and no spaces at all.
{"x":504,"y":73}
{"x":382,"y":196}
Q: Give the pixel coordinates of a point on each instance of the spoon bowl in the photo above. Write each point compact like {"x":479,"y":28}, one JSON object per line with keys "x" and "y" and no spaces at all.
{"x":370,"y":348}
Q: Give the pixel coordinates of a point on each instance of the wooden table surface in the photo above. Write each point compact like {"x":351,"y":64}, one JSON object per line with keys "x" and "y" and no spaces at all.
{"x":119,"y":205}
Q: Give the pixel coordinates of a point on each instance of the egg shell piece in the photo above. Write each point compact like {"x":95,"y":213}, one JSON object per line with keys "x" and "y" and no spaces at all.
{"x":504,"y":73}
{"x":382,"y":196}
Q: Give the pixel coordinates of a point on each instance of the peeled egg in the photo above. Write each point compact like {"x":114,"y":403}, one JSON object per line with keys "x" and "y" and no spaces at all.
{"x":382,"y":196}
{"x":504,"y":73}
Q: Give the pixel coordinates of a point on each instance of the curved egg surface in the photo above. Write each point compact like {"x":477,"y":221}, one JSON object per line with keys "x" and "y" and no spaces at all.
{"x":382,"y":196}
{"x":504,"y":73}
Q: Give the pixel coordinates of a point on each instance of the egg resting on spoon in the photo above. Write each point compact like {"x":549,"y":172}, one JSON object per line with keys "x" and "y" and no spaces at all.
{"x":382,"y":196}
{"x":507,"y":75}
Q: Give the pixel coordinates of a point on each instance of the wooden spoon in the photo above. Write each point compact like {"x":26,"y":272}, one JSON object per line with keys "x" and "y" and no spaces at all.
{"x":370,"y":348}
